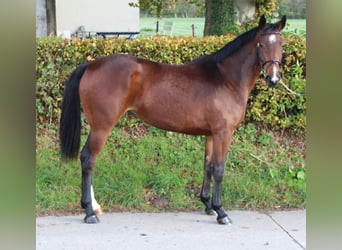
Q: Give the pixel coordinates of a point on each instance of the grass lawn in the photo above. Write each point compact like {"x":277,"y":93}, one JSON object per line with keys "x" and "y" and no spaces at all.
{"x":182,"y":26}
{"x":156,"y":170}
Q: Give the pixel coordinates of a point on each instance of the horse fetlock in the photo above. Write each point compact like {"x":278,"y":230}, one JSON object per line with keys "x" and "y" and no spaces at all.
{"x":220,"y":211}
{"x":206,"y":201}
{"x":84,"y":204}
{"x":210,"y":211}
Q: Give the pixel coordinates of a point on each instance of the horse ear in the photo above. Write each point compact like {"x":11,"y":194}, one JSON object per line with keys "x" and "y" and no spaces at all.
{"x":281,"y":23}
{"x":262,"y":22}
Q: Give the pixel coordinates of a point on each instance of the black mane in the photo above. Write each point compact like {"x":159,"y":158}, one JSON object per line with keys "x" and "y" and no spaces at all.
{"x":229,"y":49}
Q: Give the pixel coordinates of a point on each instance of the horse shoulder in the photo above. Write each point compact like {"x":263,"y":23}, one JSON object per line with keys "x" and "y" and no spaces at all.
{"x":230,"y":106}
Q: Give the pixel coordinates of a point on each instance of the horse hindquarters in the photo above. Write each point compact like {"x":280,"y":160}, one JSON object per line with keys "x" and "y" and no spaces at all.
{"x":104,"y":96}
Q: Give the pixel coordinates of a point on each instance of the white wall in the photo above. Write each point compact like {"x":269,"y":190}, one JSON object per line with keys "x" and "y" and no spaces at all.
{"x":96,"y":16}
{"x":245,"y":9}
{"x":41,"y":22}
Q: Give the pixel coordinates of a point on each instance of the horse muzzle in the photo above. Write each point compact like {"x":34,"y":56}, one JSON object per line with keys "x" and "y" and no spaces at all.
{"x":273,"y":81}
{"x":271,"y":72}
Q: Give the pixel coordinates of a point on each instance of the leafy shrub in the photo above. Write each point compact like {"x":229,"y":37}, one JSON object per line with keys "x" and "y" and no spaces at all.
{"x":57,"y":57}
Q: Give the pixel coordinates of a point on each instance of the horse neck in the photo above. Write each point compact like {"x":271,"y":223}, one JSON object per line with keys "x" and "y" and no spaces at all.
{"x":243,"y":67}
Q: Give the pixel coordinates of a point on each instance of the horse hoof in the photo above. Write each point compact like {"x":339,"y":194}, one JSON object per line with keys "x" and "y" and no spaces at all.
{"x":93,"y":219}
{"x":224,"y":221}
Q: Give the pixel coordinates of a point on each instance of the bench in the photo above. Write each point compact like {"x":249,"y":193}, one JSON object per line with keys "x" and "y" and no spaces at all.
{"x":82,"y":33}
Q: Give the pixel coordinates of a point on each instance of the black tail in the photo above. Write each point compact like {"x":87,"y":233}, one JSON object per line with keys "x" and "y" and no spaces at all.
{"x":70,"y":122}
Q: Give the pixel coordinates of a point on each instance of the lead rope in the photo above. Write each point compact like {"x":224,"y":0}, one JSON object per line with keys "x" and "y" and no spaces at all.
{"x":290,"y":90}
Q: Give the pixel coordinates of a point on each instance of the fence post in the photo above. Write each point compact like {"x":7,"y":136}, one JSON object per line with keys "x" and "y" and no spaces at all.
{"x":193,"y":30}
{"x":157,"y":27}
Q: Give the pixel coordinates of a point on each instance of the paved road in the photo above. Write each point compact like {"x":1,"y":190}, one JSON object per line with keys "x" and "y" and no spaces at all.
{"x":195,"y":230}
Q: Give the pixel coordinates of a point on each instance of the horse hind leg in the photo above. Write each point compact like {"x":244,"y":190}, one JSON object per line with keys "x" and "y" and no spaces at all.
{"x":89,"y":153}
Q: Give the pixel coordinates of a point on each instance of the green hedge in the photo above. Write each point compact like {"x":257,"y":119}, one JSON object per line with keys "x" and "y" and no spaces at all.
{"x":57,"y":57}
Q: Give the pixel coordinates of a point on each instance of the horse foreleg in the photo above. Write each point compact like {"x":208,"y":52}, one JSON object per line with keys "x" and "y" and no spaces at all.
{"x":221,"y":144}
{"x":205,"y":191}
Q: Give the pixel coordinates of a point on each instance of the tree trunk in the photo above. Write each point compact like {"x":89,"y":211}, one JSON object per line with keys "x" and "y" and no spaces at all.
{"x":208,"y":13}
{"x":51,"y":16}
{"x":45,"y":18}
{"x":220,"y":17}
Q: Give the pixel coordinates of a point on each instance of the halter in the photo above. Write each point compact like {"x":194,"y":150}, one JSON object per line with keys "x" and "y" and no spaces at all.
{"x":262,"y":64}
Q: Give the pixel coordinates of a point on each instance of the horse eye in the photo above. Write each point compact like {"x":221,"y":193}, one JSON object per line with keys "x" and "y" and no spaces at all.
{"x":260,"y":45}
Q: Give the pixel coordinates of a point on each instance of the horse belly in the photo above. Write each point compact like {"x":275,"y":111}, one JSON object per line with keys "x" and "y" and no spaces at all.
{"x":174,"y":115}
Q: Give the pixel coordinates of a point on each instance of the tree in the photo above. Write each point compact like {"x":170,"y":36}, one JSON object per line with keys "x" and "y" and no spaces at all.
{"x":265,"y":7}
{"x":51,"y":16}
{"x":269,"y":8}
{"x":189,"y":8}
{"x":293,"y":8}
{"x":159,"y":7}
{"x":46,"y":17}
{"x":220,"y":17}
{"x":154,"y":7}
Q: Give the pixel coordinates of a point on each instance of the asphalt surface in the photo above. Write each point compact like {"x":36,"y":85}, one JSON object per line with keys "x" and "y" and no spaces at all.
{"x":195,"y":230}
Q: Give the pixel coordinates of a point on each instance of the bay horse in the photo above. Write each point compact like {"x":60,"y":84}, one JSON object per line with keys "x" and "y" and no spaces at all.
{"x":207,"y":96}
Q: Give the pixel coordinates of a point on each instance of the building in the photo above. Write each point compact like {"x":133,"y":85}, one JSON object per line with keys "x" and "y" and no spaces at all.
{"x":86,"y":17}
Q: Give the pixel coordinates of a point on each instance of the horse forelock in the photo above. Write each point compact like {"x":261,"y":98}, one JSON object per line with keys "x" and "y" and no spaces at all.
{"x":270,"y":27}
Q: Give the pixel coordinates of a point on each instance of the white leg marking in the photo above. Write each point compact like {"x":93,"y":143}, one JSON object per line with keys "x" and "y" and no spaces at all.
{"x":96,"y":207}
